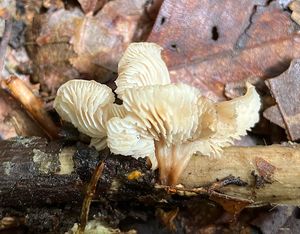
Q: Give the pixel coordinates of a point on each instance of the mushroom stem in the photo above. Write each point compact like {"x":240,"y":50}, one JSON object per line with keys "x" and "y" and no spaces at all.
{"x":172,"y":160}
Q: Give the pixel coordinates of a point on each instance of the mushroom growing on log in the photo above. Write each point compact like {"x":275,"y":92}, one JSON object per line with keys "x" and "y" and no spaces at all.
{"x":166,"y":122}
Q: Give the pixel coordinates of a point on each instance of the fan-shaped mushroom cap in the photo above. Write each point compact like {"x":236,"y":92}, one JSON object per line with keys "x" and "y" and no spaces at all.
{"x":141,"y":65}
{"x":128,"y":136}
{"x":83,"y":104}
{"x":234,"y":118}
{"x":169,"y":112}
{"x":240,"y":114}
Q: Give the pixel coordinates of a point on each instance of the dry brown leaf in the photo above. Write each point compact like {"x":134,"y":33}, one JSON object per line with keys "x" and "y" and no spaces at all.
{"x":48,"y":48}
{"x":286,"y":90}
{"x":211,"y":43}
{"x":71,"y":44}
{"x":295,"y":7}
{"x":101,"y":40}
{"x":91,"y":5}
{"x":53,"y":4}
{"x":273,"y":114}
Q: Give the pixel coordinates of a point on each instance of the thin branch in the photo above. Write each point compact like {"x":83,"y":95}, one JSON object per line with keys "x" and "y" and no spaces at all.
{"x":90,"y":193}
{"x":32,"y":104}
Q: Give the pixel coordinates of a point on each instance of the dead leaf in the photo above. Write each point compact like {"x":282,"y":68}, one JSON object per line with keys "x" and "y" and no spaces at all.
{"x":273,"y":114}
{"x":53,"y":4}
{"x":91,"y":5}
{"x":286,"y":90}
{"x":101,"y":40}
{"x":295,"y":8}
{"x":209,"y":44}
{"x":49,"y":50}
{"x":264,"y":168}
{"x":66,"y":44}
{"x":272,"y":221}
{"x":232,"y":205}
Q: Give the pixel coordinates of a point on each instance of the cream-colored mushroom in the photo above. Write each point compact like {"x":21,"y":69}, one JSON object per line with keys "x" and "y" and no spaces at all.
{"x":128,"y":136}
{"x":233,"y":119}
{"x":182,"y":123}
{"x":85,"y":104}
{"x":179,"y":119}
{"x":166,"y":122}
{"x":168,"y":111}
{"x":94,"y":227}
{"x":141,"y":65}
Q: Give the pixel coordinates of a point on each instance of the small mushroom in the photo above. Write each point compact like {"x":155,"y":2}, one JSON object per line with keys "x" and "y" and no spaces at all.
{"x":141,"y":65}
{"x":87,"y":105}
{"x":166,"y":122}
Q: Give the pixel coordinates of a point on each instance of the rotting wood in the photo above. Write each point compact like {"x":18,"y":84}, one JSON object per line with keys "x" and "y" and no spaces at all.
{"x":30,"y":173}
{"x":34,"y":172}
{"x":277,"y":164}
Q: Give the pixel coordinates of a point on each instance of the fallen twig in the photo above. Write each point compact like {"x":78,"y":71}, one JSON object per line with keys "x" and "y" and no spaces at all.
{"x":33,"y":105}
{"x":90,"y":192}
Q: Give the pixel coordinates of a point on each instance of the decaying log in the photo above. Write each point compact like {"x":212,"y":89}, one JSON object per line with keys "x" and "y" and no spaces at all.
{"x":271,"y":172}
{"x":35,"y":172}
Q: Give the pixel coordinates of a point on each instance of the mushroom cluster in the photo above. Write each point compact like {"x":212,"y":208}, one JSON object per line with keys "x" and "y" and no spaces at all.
{"x":164,"y":121}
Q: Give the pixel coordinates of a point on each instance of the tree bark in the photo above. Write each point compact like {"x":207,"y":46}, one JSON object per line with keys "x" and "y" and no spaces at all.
{"x":34,"y":172}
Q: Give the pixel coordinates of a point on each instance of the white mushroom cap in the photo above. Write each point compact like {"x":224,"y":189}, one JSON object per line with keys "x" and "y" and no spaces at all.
{"x":234,"y":118}
{"x":84,"y":103}
{"x":141,"y":65}
{"x":242,"y":113}
{"x":169,"y":112}
{"x":128,"y":136}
